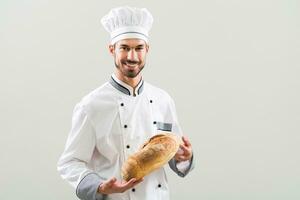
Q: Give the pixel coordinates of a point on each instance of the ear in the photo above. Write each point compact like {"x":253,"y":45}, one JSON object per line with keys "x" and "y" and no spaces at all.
{"x":147,"y":48}
{"x":111,"y":49}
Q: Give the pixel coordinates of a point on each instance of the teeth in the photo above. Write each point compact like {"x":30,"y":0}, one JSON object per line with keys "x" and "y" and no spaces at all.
{"x":131,"y":65}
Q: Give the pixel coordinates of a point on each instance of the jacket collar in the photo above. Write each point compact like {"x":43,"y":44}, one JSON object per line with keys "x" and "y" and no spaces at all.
{"x":125,"y":88}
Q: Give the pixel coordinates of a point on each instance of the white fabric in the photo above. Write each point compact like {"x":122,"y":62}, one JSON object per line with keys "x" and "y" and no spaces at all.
{"x":127,"y":22}
{"x":97,"y":140}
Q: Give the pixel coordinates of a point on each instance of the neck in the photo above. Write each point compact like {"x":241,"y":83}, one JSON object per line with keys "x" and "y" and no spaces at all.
{"x":133,"y":82}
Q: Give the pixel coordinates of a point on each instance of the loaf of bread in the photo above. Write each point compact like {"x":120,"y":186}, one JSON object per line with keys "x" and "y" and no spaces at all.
{"x":155,"y":153}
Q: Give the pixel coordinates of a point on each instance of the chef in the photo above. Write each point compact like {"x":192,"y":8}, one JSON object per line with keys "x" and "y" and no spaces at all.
{"x":113,"y":121}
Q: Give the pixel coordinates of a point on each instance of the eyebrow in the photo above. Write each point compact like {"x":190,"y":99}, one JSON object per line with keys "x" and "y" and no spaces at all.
{"x":125,"y":45}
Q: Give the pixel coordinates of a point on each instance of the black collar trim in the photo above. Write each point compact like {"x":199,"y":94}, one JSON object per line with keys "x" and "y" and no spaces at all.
{"x":123,"y":89}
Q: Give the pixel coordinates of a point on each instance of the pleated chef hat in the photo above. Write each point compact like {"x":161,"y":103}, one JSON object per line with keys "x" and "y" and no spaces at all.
{"x":127,"y":22}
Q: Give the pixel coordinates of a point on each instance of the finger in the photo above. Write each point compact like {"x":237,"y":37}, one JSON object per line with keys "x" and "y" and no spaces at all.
{"x":183,"y":158}
{"x":186,"y":141}
{"x":138,"y":181}
{"x":185,"y":149}
{"x":132,"y":183}
{"x":180,"y":151}
{"x":179,"y":159}
{"x":129,"y":183}
{"x":111,"y":182}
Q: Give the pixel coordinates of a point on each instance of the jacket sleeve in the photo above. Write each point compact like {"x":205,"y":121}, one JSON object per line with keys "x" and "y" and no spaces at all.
{"x":72,"y":164}
{"x":180,"y":168}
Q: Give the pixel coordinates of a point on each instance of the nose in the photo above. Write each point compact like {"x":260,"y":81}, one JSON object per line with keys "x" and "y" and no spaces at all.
{"x":132,"y":55}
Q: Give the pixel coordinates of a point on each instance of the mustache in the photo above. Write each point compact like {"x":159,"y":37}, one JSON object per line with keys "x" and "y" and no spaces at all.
{"x":131,"y":62}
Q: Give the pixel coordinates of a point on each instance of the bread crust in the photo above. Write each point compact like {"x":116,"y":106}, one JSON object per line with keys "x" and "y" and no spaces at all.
{"x":155,"y":153}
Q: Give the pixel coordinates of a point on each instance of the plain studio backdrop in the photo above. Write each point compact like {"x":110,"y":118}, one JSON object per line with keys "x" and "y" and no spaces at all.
{"x":231,"y":66}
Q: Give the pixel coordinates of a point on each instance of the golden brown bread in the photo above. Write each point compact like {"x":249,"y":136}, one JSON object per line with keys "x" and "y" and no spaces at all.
{"x":155,"y":153}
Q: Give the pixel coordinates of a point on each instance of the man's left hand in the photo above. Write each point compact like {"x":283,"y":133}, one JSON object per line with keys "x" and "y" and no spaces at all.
{"x":185,"y":150}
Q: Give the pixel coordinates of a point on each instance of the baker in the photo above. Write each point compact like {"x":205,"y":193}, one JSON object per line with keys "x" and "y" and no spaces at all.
{"x":111,"y":123}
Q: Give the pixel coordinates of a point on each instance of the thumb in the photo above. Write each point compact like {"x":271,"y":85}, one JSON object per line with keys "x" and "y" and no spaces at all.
{"x":111,"y":181}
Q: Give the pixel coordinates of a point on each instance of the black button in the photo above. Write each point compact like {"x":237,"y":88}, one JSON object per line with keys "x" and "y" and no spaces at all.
{"x":122,"y":104}
{"x":125,"y":126}
{"x":154,"y":122}
{"x":133,"y":189}
{"x":159,"y":185}
{"x":151,"y":101}
{"x":127,"y":146}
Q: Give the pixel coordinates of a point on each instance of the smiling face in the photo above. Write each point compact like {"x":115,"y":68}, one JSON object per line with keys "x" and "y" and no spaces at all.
{"x":130,"y":57}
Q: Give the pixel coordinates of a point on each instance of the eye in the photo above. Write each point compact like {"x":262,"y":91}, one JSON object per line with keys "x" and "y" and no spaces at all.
{"x":139,"y":48}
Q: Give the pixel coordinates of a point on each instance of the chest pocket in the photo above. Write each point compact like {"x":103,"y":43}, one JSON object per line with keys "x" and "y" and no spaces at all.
{"x":162,"y":117}
{"x":162,"y":126}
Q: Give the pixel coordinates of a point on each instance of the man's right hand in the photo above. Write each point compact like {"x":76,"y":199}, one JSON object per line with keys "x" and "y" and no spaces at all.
{"x":114,"y":186}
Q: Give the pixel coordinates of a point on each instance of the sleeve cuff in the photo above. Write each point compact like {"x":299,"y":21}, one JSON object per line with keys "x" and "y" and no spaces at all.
{"x":182,"y":168}
{"x":87,"y":188}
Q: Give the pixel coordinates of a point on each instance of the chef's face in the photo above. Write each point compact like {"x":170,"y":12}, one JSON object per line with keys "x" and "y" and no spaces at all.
{"x":129,"y":56}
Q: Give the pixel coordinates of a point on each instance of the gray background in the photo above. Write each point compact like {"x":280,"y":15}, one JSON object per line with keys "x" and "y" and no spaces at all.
{"x":231,"y":66}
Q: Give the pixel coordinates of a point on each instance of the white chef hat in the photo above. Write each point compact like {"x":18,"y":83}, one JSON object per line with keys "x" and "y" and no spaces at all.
{"x":127,"y":22}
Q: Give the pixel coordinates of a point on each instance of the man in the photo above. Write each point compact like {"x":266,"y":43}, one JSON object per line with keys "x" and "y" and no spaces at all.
{"x":113,"y":121}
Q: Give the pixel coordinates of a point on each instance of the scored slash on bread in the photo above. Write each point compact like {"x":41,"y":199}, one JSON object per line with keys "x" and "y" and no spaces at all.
{"x":153,"y":154}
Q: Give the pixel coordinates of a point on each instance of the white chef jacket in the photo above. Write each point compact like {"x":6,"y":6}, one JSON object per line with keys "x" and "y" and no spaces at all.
{"x":108,"y":125}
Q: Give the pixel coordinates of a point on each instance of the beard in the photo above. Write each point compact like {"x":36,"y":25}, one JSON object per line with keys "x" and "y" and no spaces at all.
{"x":130,"y":73}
